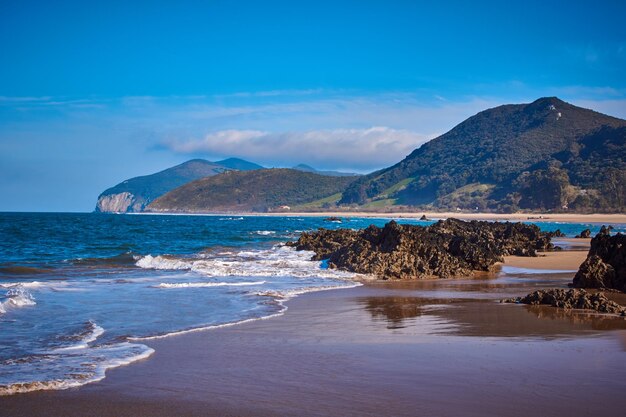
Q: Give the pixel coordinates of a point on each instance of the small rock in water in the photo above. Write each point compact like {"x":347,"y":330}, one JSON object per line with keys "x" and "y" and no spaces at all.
{"x":333,"y":219}
{"x":584,"y":234}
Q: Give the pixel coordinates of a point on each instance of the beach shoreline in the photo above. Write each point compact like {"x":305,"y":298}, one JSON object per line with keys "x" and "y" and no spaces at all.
{"x":432,"y":347}
{"x":596,"y":218}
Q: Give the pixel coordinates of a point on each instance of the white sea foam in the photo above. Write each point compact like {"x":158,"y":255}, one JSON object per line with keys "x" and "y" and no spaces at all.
{"x":265,"y":232}
{"x":32,"y":284}
{"x":209,"y":284}
{"x":91,"y":334}
{"x":16,"y":297}
{"x":162,"y":262}
{"x":284,"y":295}
{"x":280,"y":261}
{"x":72,"y":369}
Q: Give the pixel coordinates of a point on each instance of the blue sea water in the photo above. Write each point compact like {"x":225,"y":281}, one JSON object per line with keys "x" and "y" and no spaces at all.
{"x":80,"y":293}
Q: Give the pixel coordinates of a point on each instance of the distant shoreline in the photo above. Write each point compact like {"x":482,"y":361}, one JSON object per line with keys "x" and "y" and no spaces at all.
{"x":536,"y":217}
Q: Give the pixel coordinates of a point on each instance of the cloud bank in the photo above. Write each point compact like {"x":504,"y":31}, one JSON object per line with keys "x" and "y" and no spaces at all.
{"x":363,"y":149}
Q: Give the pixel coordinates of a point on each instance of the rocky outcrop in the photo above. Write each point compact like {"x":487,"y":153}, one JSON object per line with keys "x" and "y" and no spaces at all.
{"x":448,"y":248}
{"x":570,"y":299}
{"x":605,"y":266}
{"x":585,"y":234}
{"x":333,"y":219}
{"x":119,"y":203}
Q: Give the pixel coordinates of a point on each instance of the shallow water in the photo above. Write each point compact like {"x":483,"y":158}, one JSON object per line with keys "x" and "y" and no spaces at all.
{"x":79,"y":293}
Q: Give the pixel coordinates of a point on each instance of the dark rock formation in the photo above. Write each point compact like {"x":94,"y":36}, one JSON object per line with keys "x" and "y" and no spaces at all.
{"x":570,"y":299}
{"x":556,"y":233}
{"x":448,"y":248}
{"x":424,"y":217}
{"x":333,"y":219}
{"x":585,"y":234}
{"x":605,"y":266}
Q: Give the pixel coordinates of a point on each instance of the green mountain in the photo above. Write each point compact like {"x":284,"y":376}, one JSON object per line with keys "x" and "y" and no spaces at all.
{"x":246,"y":191}
{"x":239,"y":164}
{"x":308,"y":168}
{"x":546,"y":155}
{"x":134,"y":194}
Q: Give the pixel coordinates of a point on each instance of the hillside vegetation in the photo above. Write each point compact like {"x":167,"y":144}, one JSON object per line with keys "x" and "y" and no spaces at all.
{"x":259,"y":191}
{"x":546,"y":155}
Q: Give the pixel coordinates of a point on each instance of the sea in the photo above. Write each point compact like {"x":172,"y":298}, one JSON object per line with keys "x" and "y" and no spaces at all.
{"x":81,"y":293}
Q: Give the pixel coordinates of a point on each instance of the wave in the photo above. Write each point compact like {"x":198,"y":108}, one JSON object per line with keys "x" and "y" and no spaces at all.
{"x":75,"y":368}
{"x":230,"y":218}
{"x":89,"y":334}
{"x":31,"y":284}
{"x":16,"y":297}
{"x":284,"y":295}
{"x":11,"y":269}
{"x":121,"y":260}
{"x":265,"y":232}
{"x":280,"y":261}
{"x":209,"y":284}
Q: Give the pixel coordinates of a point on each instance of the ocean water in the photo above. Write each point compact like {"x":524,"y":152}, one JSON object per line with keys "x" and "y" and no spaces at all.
{"x":81,"y":293}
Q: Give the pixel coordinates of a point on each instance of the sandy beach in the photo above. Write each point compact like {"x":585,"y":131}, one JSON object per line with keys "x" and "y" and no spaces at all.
{"x":535,"y":217}
{"x":441,"y":347}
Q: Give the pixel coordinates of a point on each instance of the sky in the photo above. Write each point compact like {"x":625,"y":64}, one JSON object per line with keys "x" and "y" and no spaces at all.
{"x":93,"y":93}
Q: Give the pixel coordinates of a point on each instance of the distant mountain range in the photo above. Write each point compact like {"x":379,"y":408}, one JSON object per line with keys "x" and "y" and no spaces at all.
{"x":278,"y":189}
{"x":307,"y":168}
{"x":135,"y":194}
{"x":547,"y":155}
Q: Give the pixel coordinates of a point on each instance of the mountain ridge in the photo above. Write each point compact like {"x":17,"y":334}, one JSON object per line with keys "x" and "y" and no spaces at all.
{"x":491,"y":150}
{"x":274,"y":189}
{"x":134,"y":194}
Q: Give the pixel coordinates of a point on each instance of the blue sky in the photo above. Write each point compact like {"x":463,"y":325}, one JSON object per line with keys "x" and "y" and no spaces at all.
{"x":92,"y":93}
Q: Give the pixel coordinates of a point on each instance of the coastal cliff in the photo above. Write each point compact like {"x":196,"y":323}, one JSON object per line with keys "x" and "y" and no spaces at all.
{"x":119,"y":203}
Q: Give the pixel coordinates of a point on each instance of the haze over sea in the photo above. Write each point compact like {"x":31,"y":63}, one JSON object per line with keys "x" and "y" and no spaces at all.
{"x":79,"y":292}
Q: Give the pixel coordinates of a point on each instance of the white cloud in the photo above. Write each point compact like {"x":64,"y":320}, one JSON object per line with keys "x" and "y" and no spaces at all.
{"x":363,"y":149}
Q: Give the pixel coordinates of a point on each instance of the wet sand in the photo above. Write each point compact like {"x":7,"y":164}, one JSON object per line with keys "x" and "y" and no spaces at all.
{"x":441,"y":347}
{"x":569,"y":260}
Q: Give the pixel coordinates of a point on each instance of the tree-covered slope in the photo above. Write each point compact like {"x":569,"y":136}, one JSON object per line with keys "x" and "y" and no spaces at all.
{"x":259,"y":191}
{"x":545,"y":155}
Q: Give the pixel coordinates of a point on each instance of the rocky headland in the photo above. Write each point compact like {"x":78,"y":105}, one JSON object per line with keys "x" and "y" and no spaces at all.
{"x":449,"y":248}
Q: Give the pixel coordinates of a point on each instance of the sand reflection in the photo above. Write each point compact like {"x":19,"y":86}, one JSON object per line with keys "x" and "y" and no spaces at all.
{"x":485,"y":318}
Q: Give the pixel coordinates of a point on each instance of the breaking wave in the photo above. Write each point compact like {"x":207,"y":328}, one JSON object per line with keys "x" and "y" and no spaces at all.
{"x":209,"y":284}
{"x":280,"y":261}
{"x":16,"y":297}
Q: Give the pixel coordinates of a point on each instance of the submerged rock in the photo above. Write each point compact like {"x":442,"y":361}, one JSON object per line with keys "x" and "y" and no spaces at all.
{"x":605,"y":266}
{"x":446,"y":249}
{"x":570,"y":299}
